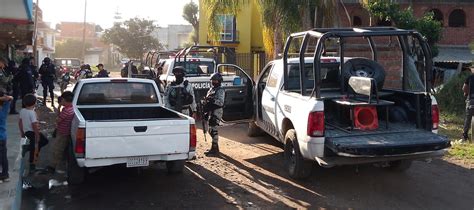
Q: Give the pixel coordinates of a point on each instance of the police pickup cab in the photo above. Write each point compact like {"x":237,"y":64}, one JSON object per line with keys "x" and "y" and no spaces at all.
{"x":334,"y":109}
{"x":123,"y":121}
{"x":237,"y":83}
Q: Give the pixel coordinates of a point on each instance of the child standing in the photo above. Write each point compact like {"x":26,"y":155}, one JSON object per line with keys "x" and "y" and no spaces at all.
{"x":63,"y":130}
{"x":29,"y":127}
{"x":4,"y":108}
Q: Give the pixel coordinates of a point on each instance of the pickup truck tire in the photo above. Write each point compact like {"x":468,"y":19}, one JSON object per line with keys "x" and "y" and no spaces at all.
{"x":365,"y":68}
{"x":253,"y":130}
{"x":399,"y":165}
{"x":175,"y":167}
{"x":298,"y":167}
{"x":75,"y":174}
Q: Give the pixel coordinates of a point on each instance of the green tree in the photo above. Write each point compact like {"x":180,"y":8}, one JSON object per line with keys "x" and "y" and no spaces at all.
{"x":426,"y":25}
{"x":70,"y":48}
{"x":133,"y":37}
{"x":190,"y":14}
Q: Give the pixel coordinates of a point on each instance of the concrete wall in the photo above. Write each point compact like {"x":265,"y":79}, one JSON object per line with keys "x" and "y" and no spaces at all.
{"x":174,"y":36}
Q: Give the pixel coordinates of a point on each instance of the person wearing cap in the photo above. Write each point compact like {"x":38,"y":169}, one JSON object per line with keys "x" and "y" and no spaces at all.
{"x":179,"y":95}
{"x":102,"y":71}
{"x":48,"y":73}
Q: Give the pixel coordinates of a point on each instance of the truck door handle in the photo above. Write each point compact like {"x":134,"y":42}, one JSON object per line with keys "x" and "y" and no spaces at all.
{"x":272,"y":99}
{"x":140,"y":128}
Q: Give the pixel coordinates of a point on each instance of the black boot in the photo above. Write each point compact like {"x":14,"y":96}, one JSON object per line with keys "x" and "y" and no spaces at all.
{"x":213,"y":151}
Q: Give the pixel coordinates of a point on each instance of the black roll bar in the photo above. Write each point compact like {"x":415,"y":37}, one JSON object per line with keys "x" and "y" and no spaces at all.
{"x":368,"y":32}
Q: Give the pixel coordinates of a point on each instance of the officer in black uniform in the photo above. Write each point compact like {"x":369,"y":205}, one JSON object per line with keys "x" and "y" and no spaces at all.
{"x":48,"y":74}
{"x":213,"y":105}
{"x":468,"y":89}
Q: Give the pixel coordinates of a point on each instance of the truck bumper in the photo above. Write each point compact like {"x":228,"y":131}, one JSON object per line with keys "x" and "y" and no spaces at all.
{"x":100,"y":162}
{"x":339,"y":160}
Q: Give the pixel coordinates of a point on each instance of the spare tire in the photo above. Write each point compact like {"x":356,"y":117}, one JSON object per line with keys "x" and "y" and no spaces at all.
{"x":363,"y":67}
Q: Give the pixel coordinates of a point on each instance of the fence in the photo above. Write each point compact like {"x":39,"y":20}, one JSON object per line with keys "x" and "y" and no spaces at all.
{"x":252,"y":63}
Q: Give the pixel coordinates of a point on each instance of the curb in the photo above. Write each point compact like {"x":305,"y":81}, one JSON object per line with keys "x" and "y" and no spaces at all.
{"x":19,"y":187}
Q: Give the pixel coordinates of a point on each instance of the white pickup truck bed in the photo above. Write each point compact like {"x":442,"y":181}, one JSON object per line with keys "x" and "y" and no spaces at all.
{"x":127,"y":125}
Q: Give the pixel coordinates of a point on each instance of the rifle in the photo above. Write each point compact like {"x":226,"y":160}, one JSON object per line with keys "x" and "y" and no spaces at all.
{"x":204,"y":119}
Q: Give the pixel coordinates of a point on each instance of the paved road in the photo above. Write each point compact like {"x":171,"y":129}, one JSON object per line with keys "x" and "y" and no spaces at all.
{"x":250,"y":174}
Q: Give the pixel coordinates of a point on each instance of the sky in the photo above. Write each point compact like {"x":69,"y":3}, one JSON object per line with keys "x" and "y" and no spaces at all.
{"x":102,"y":12}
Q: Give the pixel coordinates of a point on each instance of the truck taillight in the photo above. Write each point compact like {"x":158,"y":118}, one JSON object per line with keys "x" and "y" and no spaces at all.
{"x":80,"y":147}
{"x":192,"y":138}
{"x":316,"y":124}
{"x":435,"y":116}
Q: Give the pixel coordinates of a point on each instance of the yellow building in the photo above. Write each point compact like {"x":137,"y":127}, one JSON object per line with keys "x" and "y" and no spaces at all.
{"x":242,"y":32}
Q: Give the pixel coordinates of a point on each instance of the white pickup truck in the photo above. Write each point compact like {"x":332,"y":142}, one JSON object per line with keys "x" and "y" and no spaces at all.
{"x":122,"y":121}
{"x":340,"y":110}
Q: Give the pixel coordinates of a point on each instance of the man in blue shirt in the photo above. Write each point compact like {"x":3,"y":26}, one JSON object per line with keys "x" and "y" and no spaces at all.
{"x":4,"y":108}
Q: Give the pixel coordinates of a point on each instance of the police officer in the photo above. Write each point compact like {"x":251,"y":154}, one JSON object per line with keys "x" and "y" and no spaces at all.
{"x":25,"y":77}
{"x":213,"y":104}
{"x":48,"y":74}
{"x":179,"y":95}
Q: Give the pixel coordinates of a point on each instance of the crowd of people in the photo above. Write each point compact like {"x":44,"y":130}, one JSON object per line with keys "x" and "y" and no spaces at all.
{"x":22,"y":82}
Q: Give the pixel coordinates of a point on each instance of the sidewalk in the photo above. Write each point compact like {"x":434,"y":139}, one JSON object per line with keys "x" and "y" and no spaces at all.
{"x":10,"y":192}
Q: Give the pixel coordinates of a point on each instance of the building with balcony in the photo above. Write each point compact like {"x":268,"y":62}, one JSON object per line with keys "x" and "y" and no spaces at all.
{"x":242,"y":32}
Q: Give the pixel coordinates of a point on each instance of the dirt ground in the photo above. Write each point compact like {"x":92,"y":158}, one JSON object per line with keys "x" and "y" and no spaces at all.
{"x":250,"y":174}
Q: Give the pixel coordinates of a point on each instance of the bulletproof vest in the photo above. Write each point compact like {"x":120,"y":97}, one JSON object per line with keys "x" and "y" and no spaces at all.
{"x":47,"y":70}
{"x":179,"y":97}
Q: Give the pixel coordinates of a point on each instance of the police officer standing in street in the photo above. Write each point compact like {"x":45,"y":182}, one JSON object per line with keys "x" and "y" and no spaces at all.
{"x":213,"y":105}
{"x":48,"y":74}
{"x":179,"y":95}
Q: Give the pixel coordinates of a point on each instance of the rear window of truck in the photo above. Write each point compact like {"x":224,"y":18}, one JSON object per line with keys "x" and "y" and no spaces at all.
{"x":117,"y":93}
{"x":197,"y":67}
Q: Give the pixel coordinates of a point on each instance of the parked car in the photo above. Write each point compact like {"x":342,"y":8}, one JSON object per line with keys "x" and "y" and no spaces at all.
{"x":123,"y":121}
{"x":337,"y":110}
{"x":64,"y":65}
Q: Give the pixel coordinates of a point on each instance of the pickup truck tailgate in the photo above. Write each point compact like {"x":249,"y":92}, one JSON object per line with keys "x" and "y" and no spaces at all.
{"x":106,"y":139}
{"x":387,"y":144}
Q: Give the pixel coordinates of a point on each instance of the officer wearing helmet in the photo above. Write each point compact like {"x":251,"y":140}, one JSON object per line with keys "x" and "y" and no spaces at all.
{"x":179,"y":95}
{"x":48,"y":73}
{"x":212,"y":105}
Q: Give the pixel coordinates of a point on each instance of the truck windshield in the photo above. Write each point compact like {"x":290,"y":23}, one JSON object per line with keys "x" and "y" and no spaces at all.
{"x":117,"y":93}
{"x":197,"y":67}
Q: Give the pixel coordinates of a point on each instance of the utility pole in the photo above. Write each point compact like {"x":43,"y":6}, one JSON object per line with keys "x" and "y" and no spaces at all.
{"x":84,"y":32}
{"x":35,"y":33}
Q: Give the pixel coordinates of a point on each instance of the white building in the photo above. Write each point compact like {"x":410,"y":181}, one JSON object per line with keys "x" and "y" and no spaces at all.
{"x":174,"y":36}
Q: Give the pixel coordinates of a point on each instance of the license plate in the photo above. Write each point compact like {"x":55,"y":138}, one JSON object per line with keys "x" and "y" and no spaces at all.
{"x":137,"y":161}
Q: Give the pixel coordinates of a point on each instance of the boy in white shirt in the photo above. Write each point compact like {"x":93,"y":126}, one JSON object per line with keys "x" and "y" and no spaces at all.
{"x":29,"y":127}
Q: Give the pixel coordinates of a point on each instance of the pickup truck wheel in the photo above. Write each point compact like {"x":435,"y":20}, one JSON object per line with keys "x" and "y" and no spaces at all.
{"x":399,"y":165}
{"x":298,"y":167}
{"x":75,"y":174}
{"x":253,"y":130}
{"x":175,"y":167}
